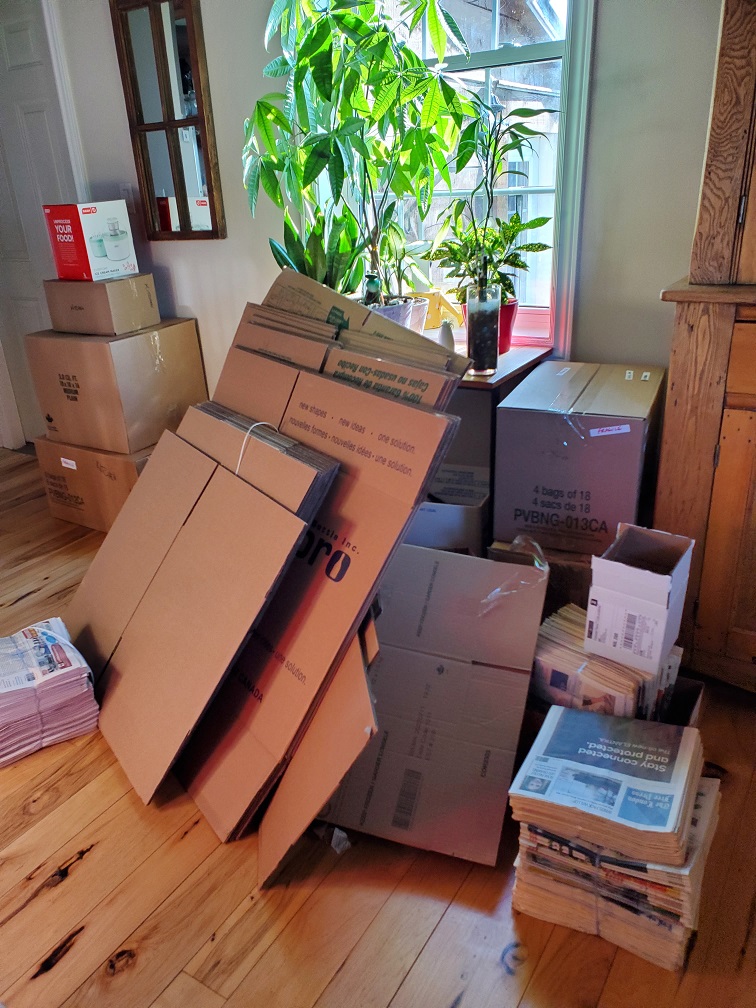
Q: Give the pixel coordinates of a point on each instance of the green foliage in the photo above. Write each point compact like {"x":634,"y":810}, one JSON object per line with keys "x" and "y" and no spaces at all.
{"x":462,"y":248}
{"x":361,"y":123}
{"x":469,"y":241}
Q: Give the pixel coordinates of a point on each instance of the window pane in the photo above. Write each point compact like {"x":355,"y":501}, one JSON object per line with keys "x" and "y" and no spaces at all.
{"x":520,"y":22}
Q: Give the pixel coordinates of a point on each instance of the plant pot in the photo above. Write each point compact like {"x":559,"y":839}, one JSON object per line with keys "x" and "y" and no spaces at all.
{"x":401,"y":312}
{"x":419,"y":313}
{"x":507,"y":315}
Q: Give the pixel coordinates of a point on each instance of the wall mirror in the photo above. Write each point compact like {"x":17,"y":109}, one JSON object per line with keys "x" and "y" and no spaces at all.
{"x":161,"y":55}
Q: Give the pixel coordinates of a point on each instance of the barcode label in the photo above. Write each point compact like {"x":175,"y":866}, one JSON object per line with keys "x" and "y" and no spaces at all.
{"x":408,"y":795}
{"x":628,"y":636}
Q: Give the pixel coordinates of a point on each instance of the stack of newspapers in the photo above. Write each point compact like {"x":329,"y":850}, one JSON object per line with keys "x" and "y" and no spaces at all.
{"x":564,"y":673}
{"x":46,"y":692}
{"x":616,"y":823}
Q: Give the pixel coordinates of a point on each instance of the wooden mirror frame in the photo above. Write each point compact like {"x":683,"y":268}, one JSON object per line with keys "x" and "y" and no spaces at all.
{"x":158,"y":215}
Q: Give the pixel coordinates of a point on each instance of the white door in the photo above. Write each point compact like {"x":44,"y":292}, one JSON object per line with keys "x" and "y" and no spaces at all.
{"x":35,"y":168}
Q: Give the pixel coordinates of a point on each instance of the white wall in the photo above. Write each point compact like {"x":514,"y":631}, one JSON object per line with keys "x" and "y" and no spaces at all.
{"x":651,"y":87}
{"x":651,"y":90}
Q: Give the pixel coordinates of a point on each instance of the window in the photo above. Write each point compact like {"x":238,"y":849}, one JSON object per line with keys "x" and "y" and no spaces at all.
{"x":533,"y":53}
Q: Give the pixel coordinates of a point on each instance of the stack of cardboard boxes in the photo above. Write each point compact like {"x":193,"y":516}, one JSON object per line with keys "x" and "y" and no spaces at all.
{"x":110,"y":376}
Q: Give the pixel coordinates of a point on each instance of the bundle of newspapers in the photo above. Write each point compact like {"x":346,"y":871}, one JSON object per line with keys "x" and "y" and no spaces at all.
{"x":46,"y":692}
{"x":564,"y":673}
{"x":616,"y":823}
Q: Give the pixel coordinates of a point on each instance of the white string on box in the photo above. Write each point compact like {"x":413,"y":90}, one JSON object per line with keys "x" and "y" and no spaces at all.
{"x":257,"y":423}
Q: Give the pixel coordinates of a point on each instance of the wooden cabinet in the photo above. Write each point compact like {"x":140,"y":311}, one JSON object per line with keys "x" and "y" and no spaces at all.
{"x":724,"y":245}
{"x":707,"y":473}
{"x":706,"y":476}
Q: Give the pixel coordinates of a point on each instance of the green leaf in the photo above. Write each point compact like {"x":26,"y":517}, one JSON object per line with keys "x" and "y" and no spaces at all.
{"x":316,"y":38}
{"x":431,"y":105}
{"x":293,"y":243}
{"x":386,"y":100}
{"x":278,"y":67}
{"x":280,"y":256}
{"x":315,"y":162}
{"x":454,"y":30}
{"x":252,"y":183}
{"x":270,"y":184}
{"x":274,"y":19}
{"x":336,"y":172}
{"x":436,"y":30}
{"x":322,"y":72}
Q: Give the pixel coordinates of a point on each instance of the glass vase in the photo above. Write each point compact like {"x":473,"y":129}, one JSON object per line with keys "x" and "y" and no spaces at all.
{"x":483,"y":304}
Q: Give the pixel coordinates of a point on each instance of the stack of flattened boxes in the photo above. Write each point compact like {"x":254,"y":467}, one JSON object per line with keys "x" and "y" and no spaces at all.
{"x":109,"y":377}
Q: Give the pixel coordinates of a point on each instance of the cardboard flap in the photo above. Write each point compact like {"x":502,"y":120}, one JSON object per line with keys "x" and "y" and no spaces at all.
{"x":134,"y":548}
{"x":553,"y":385}
{"x":616,"y":390}
{"x":342,"y":726}
{"x":255,"y":385}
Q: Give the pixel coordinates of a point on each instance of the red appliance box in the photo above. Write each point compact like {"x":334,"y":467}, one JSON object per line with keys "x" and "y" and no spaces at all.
{"x":91,"y":241}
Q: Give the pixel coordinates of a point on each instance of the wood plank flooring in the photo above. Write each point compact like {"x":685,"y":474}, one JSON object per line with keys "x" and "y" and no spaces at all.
{"x":105,"y":902}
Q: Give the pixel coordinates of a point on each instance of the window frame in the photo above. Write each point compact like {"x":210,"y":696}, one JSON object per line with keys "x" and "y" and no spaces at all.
{"x":552,"y":326}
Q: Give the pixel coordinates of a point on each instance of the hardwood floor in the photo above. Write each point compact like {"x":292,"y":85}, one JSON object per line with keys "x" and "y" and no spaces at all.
{"x":106,"y":902}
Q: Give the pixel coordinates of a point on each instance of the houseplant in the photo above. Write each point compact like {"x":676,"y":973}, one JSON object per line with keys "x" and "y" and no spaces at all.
{"x":362,"y":124}
{"x":472,"y":237}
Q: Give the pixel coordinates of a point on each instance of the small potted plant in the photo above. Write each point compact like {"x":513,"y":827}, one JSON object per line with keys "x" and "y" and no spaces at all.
{"x":472,"y":238}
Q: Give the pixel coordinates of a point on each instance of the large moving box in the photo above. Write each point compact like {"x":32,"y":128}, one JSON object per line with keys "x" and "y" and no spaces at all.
{"x":575,"y":453}
{"x":457,"y":636}
{"x":87,"y":486}
{"x":103,"y":307}
{"x":116,"y":393}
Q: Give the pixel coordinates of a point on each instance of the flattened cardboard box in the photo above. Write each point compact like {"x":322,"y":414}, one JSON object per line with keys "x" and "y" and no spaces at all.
{"x":87,"y":486}
{"x":103,"y":307}
{"x":637,"y":596}
{"x":387,"y":450}
{"x":116,"y":393}
{"x":575,"y":453}
{"x":177,"y":585}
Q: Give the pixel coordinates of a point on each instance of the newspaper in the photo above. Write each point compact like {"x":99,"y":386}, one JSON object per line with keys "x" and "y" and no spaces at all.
{"x":630,"y":772}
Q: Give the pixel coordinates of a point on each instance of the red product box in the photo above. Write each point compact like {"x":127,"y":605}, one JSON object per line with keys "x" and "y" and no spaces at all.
{"x":91,"y":241}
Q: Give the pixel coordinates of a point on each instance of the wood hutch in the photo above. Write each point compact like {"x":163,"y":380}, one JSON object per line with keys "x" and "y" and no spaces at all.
{"x":706,"y":484}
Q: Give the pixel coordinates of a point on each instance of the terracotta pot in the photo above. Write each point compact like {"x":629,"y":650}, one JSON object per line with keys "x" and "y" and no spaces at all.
{"x":507,"y":315}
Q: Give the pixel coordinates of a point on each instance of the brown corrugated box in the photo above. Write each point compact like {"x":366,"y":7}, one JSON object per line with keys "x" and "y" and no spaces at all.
{"x":575,"y":453}
{"x":87,"y":486}
{"x":116,"y":393}
{"x":103,"y":307}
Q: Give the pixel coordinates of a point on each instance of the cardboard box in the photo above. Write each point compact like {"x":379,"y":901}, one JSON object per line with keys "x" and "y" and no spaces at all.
{"x":457,"y":636}
{"x":569,"y":575}
{"x":637,"y":594}
{"x":91,"y":241}
{"x":456,"y":514}
{"x":575,"y":453}
{"x":463,"y":607}
{"x":87,"y":486}
{"x":105,"y":307}
{"x":116,"y":393}
{"x":176,"y":588}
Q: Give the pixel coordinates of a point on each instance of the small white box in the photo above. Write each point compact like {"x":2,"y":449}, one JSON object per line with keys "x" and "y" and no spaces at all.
{"x":637,"y":596}
{"x":455,"y":516}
